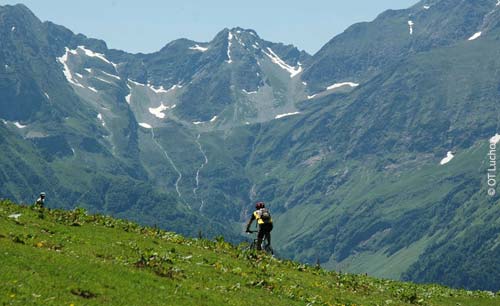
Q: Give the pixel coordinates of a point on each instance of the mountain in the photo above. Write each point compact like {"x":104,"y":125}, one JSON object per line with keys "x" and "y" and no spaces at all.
{"x":69,"y":257}
{"x":366,"y":49}
{"x":372,"y":154}
{"x":357,"y":176}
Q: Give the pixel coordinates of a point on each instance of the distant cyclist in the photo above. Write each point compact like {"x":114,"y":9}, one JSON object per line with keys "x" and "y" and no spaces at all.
{"x":40,"y":202}
{"x":265,"y":222}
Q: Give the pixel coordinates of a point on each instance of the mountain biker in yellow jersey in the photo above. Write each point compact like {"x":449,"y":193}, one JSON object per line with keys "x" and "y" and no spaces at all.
{"x":265,"y":222}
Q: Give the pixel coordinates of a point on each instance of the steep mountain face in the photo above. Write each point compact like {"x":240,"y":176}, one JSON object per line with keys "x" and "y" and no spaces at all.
{"x":77,"y":143}
{"x":229,"y":78}
{"x":372,"y":154}
{"x":366,"y":49}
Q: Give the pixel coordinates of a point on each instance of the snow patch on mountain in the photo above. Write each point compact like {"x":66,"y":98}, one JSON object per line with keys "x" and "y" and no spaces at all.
{"x":495,"y":139}
{"x":128,"y":98}
{"x":89,"y":70}
{"x":475,"y":36}
{"x":136,"y":83}
{"x":93,"y":89}
{"x":448,"y":158}
{"x":161,"y":89}
{"x":67,"y":72}
{"x":19,"y":125}
{"x":99,"y":116}
{"x":286,"y":115}
{"x":249,"y":92}
{"x":13,"y":29}
{"x":278,"y":61}
{"x":426,"y":7}
{"x":214,"y":118}
{"x":111,"y":75}
{"x":145,"y":125}
{"x":312,"y":97}
{"x":158,"y":111}
{"x":229,"y":44}
{"x":410,"y":25}
{"x":100,"y":56}
{"x":338,"y":85}
{"x":198,"y":48}
{"x":46,"y":95}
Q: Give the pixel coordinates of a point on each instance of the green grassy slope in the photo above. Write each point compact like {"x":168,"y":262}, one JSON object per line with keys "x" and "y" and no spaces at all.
{"x":71,"y":258}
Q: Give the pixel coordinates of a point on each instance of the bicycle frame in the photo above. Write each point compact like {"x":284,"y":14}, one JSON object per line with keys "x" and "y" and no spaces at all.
{"x":266,"y":245}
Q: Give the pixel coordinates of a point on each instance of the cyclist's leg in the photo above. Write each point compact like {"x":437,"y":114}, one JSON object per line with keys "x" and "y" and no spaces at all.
{"x":260,"y":235}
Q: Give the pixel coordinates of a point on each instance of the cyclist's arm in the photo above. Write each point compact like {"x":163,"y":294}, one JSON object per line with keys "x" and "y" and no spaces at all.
{"x":250,"y":222}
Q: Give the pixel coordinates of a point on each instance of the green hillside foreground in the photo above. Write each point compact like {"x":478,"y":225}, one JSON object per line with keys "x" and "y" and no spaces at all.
{"x":56,"y":257}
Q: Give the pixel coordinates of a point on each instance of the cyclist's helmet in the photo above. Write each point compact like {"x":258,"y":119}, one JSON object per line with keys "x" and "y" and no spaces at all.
{"x":260,"y":205}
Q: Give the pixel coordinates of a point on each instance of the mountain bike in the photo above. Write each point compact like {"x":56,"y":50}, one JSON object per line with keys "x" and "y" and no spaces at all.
{"x":266,"y":243}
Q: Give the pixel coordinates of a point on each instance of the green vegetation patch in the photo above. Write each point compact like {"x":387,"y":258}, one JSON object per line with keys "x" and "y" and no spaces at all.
{"x":56,"y":257}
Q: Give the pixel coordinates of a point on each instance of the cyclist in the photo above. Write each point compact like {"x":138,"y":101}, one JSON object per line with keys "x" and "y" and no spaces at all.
{"x":40,"y":202}
{"x":265,"y":222}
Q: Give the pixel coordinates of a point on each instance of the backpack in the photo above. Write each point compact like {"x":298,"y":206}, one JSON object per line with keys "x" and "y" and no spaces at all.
{"x":265,"y":215}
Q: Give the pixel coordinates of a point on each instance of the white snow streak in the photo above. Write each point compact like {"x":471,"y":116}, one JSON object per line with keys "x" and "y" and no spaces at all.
{"x":47,"y":95}
{"x":198,"y":48}
{"x":447,"y":159}
{"x":136,"y":83}
{"x":278,"y":61}
{"x":13,"y":29}
{"x":93,"y":89}
{"x":111,"y":75}
{"x":312,"y":97}
{"x":411,"y":24}
{"x":249,"y":92}
{"x":495,"y":139}
{"x":145,"y":125}
{"x":89,"y":70}
{"x":426,"y":7}
{"x":338,"y":85}
{"x":19,"y":125}
{"x":229,"y":44}
{"x":128,"y":98}
{"x":213,"y":119}
{"x":100,"y":56}
{"x":67,"y":72}
{"x":475,"y":36}
{"x":286,"y":115}
{"x":161,"y":89}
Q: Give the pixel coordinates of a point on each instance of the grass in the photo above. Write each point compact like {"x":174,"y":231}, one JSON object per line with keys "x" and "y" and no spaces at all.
{"x":56,"y":257}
